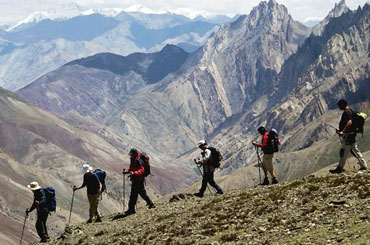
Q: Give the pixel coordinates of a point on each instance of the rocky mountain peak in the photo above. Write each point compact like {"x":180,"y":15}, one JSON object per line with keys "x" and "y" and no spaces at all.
{"x":338,"y":9}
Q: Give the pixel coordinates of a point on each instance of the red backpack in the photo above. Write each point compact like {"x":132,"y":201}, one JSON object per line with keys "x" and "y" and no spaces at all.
{"x":144,"y":161}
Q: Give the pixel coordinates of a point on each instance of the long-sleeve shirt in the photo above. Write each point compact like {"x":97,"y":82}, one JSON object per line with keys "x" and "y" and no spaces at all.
{"x":137,"y":169}
{"x":39,"y":201}
{"x":206,"y":156}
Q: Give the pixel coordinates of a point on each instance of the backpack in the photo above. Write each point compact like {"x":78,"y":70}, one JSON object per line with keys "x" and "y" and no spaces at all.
{"x":145,"y":163}
{"x":51,"y":203}
{"x":101,"y":176}
{"x":273,"y":142}
{"x":216,"y":157}
{"x":358,"y":122}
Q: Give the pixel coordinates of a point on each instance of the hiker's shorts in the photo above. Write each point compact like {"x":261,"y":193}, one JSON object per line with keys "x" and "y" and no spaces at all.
{"x":267,"y":162}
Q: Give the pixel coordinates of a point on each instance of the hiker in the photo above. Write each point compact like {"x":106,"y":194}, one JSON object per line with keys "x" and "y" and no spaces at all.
{"x":208,"y":170}
{"x":40,"y":204}
{"x":268,"y":155}
{"x":347,"y":137}
{"x":137,"y":177}
{"x":94,"y":189}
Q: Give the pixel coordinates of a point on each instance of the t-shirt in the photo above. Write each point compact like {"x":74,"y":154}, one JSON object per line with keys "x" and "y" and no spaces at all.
{"x":346,"y":116}
{"x":91,"y":181}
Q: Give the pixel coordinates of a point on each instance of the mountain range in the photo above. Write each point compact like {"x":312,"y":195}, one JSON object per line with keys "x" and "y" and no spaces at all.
{"x":42,"y":45}
{"x":262,"y":69}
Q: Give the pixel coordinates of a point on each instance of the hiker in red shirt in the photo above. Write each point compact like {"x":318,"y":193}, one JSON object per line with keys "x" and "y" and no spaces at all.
{"x":137,"y":177}
{"x":268,"y":155}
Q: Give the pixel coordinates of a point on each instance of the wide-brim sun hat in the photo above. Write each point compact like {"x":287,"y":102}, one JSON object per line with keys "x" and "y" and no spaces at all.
{"x":86,"y":168}
{"x":33,"y":186}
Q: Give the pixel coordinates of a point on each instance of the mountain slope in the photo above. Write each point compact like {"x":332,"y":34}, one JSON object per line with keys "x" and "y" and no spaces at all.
{"x":314,"y":209}
{"x":38,"y":146}
{"x":98,"y":86}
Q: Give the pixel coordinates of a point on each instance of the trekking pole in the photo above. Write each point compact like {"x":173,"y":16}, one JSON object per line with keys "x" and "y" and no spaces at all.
{"x":123,"y":192}
{"x":70,"y":212}
{"x":258,"y":163}
{"x":24,"y":225}
{"x":200,"y":171}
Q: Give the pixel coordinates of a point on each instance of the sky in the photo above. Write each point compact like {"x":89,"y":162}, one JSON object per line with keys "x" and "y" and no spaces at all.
{"x":12,"y":11}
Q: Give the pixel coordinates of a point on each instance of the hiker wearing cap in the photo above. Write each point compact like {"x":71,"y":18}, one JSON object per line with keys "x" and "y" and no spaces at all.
{"x":94,"y":189}
{"x":268,"y":155}
{"x":39,"y":203}
{"x":347,"y":135}
{"x":137,"y":177}
{"x":208,"y":169}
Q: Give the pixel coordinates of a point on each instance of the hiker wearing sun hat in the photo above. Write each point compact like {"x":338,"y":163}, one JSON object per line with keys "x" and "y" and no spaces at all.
{"x":94,"y":189}
{"x":40,"y":204}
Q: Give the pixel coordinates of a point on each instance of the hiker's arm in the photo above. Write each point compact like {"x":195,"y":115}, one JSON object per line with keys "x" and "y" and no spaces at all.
{"x":139,"y":171}
{"x":205,"y":157}
{"x":82,"y":186}
{"x":32,"y":207}
{"x":264,"y":141}
{"x":347,"y":127}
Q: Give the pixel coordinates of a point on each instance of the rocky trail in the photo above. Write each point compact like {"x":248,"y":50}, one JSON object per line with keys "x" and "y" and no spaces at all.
{"x":331,"y":209}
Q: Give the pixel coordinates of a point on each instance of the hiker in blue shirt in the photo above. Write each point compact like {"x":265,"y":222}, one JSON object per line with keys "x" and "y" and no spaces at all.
{"x":39,"y":203}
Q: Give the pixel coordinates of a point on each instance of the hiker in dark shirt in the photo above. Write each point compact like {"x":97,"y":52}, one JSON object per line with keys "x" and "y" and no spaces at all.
{"x":348,"y":139}
{"x":39,"y":203}
{"x":94,"y":189}
{"x":136,"y":174}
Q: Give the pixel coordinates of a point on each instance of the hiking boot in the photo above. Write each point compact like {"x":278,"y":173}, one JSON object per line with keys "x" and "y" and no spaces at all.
{"x":338,"y":170}
{"x":219,"y":192}
{"x":129,"y":212}
{"x":274,"y":181}
{"x":89,"y":221}
{"x":151,"y":205}
{"x":198,"y":195}
{"x":43,"y":240}
{"x":266,"y":181}
{"x":98,"y":219}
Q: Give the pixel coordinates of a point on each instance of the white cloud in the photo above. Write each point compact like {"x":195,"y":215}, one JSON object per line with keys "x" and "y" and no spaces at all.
{"x":13,"y":11}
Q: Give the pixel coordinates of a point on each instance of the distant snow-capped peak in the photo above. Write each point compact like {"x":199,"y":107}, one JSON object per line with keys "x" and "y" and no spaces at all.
{"x":188,"y":12}
{"x":64,"y":11}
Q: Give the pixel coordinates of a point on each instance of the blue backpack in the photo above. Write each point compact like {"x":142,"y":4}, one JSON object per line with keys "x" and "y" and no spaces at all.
{"x":51,"y":203}
{"x":101,"y":176}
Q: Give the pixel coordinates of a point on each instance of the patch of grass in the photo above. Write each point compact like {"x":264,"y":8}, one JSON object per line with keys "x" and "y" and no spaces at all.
{"x":229,"y":237}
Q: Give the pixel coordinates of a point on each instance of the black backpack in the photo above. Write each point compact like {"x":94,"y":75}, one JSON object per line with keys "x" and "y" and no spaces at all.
{"x":51,"y":203}
{"x":273,"y":142}
{"x":358,"y":121}
{"x":101,"y":176}
{"x":144,"y":159}
{"x":216,"y":157}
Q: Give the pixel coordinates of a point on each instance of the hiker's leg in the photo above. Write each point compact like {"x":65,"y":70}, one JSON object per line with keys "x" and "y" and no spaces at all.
{"x":144,"y":195}
{"x":358,"y":155}
{"x":133,"y":196}
{"x":267,"y":165}
{"x":44,"y":219}
{"x":95,"y":204}
{"x":91,"y":202}
{"x":41,"y":225}
{"x":343,"y":153}
{"x":204,"y":183}
{"x":212,"y":182}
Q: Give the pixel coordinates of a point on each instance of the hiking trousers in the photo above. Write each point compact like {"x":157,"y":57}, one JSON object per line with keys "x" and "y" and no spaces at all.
{"x":346,"y":149}
{"x":94,"y":202}
{"x":41,"y":229}
{"x":138,"y":188}
{"x":208,"y":178}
